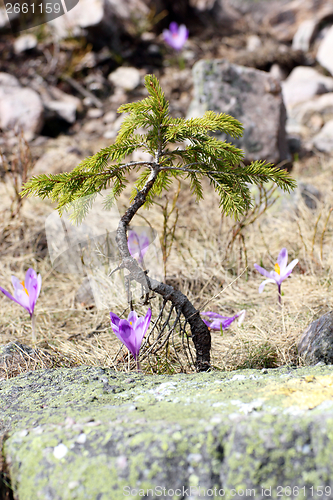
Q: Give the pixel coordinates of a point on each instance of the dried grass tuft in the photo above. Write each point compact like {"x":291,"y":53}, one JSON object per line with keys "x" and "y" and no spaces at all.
{"x":203,"y":264}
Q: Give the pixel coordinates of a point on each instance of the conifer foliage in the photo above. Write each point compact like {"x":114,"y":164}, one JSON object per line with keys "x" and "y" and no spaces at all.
{"x":195,"y":155}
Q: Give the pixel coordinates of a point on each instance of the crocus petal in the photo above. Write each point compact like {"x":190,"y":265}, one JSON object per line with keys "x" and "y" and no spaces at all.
{"x":16,"y":283}
{"x":262,"y":286}
{"x":263,"y":271}
{"x":224,"y":321}
{"x":290,"y":268}
{"x":176,"y":37}
{"x":114,"y":320}
{"x":127,"y":335}
{"x":30,"y":276}
{"x":211,"y":314}
{"x":182,"y":34}
{"x":241,"y":316}
{"x":132,"y":318}
{"x":18,"y":300}
{"x":216,"y":325}
{"x":39,"y":280}
{"x":32,"y":294}
{"x":282,"y":260}
{"x":142,"y":327}
{"x":132,"y":330}
{"x":173,"y":27}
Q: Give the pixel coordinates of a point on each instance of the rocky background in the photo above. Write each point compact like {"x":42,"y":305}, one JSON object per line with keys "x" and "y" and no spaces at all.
{"x":62,"y":82}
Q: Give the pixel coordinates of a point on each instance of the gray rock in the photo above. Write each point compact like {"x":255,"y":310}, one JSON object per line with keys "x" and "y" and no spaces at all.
{"x":20,"y":107}
{"x":325,"y":51}
{"x":251,"y":96}
{"x":324,"y":139}
{"x":316,"y":344}
{"x":24,"y":43}
{"x":93,"y":433}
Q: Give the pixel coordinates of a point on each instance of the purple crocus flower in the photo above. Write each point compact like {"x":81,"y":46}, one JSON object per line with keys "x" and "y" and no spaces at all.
{"x":138,"y":245}
{"x":26,"y":293}
{"x":216,"y":321}
{"x":131,"y":331}
{"x":280,"y":273}
{"x":176,"y":36}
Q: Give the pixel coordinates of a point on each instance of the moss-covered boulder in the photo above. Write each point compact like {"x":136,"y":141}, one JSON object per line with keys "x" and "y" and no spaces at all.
{"x":91,"y":433}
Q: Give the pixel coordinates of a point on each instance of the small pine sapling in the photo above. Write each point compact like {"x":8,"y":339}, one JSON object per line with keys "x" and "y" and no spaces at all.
{"x":201,"y":156}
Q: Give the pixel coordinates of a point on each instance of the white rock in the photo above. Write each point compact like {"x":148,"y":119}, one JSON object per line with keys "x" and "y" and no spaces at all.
{"x":324,"y":139}
{"x":101,"y":18}
{"x":253,"y":43}
{"x":304,"y":35}
{"x":325,"y":51}
{"x":25,"y":42}
{"x":303,"y":84}
{"x":95,"y":113}
{"x":322,"y":105}
{"x":64,"y":109}
{"x":110,"y":117}
{"x":20,"y":108}
{"x":127,"y":78}
{"x":82,"y":438}
{"x":277,"y":72}
{"x":63,"y":105}
{"x":60,"y":451}
{"x":4,"y":21}
{"x":7,"y":80}
{"x":85,"y":13}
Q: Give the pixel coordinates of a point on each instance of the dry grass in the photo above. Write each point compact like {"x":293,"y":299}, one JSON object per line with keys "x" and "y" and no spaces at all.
{"x":201,"y":266}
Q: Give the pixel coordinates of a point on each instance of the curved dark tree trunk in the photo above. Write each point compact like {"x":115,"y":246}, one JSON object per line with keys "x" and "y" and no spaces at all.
{"x":200,"y":333}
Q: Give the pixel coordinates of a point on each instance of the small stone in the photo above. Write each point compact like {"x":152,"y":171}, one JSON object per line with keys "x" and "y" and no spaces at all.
{"x":324,"y":139}
{"x":127,"y":78}
{"x":303,"y":84}
{"x":304,"y":35}
{"x":93,"y":127}
{"x":110,"y":117}
{"x":82,"y":438}
{"x":325,"y":51}
{"x":73,"y":484}
{"x":253,"y":43}
{"x":277,"y":72}
{"x":94,"y":113}
{"x":60,"y":451}
{"x":24,"y":43}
